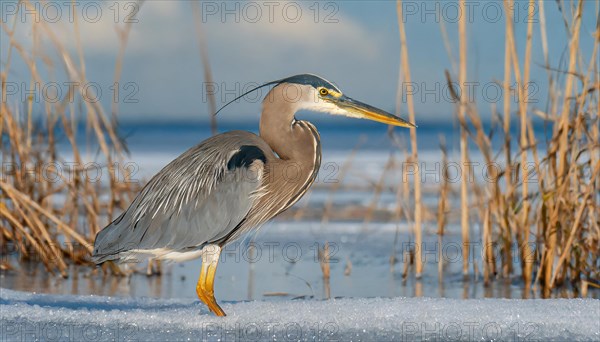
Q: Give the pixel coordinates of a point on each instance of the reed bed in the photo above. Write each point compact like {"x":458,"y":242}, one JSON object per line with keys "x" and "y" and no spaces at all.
{"x":48,"y":213}
{"x":554,"y":224}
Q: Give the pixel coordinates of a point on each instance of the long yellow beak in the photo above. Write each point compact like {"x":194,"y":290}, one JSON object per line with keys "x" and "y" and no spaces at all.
{"x":363,"y":110}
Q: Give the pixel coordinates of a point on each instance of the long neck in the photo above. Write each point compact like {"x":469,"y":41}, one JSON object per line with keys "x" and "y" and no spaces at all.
{"x":297,"y":143}
{"x":289,"y":138}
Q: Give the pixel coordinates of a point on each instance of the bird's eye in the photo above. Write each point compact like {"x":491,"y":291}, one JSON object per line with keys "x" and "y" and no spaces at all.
{"x":323,"y":92}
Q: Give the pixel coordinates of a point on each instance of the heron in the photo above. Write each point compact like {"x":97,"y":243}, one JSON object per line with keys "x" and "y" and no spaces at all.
{"x":231,"y":183}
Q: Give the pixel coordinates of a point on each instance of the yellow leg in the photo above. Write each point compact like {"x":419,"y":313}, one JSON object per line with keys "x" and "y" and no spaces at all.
{"x":205,"y":286}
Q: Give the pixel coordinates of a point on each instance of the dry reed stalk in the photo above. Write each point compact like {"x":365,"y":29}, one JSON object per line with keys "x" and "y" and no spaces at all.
{"x":205,"y":65}
{"x":409,"y":260}
{"x":251,"y":273}
{"x":485,"y":146}
{"x":37,"y":246}
{"x":463,"y":170}
{"x":506,"y":204}
{"x":541,"y":174}
{"x":51,"y":254}
{"x":544,"y":39}
{"x":405,"y":65}
{"x":336,"y":185}
{"x":348,"y":267}
{"x":26,"y":201}
{"x":574,"y":230}
{"x":522,"y":84}
{"x":405,"y":191}
{"x":377,"y":192}
{"x":489,"y":263}
{"x":464,"y":194}
{"x":303,"y":208}
{"x":447,"y":45}
{"x":402,"y":196}
{"x":325,"y":269}
{"x":123,"y":35}
{"x":443,"y":206}
{"x":525,"y":247}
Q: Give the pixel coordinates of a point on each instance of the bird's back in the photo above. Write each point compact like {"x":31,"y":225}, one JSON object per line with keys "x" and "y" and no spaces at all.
{"x":198,"y":198}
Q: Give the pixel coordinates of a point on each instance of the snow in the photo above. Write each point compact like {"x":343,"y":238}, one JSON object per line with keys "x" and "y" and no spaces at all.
{"x":26,"y":316}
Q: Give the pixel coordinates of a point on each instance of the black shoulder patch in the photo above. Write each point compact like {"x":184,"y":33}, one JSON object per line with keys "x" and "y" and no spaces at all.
{"x":245,"y":156}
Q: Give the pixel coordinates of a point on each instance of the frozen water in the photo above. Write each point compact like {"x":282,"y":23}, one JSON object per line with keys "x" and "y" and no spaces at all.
{"x":26,"y":316}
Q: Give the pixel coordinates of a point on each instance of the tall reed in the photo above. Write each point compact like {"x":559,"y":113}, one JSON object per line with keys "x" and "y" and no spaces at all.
{"x":414,"y":158}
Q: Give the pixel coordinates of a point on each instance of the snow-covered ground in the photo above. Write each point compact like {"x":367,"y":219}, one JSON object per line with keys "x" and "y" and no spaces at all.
{"x":28,"y":317}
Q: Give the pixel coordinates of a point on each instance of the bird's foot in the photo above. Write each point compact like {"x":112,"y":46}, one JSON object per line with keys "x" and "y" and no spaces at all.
{"x":211,"y":302}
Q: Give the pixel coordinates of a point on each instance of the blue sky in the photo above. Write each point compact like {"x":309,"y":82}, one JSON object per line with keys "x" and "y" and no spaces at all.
{"x":354,"y":44}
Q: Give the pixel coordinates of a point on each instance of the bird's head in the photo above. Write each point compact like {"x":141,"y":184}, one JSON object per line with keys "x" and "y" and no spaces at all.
{"x":315,"y":93}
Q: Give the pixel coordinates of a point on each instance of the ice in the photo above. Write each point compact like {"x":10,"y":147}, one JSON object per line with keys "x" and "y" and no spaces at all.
{"x":26,"y":316}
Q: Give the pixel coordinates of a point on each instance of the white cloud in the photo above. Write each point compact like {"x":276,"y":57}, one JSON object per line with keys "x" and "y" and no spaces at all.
{"x":162,"y":53}
{"x":166,"y":25}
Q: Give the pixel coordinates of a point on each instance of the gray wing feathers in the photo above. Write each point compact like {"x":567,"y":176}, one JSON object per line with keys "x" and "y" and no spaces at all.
{"x":195,"y":199}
